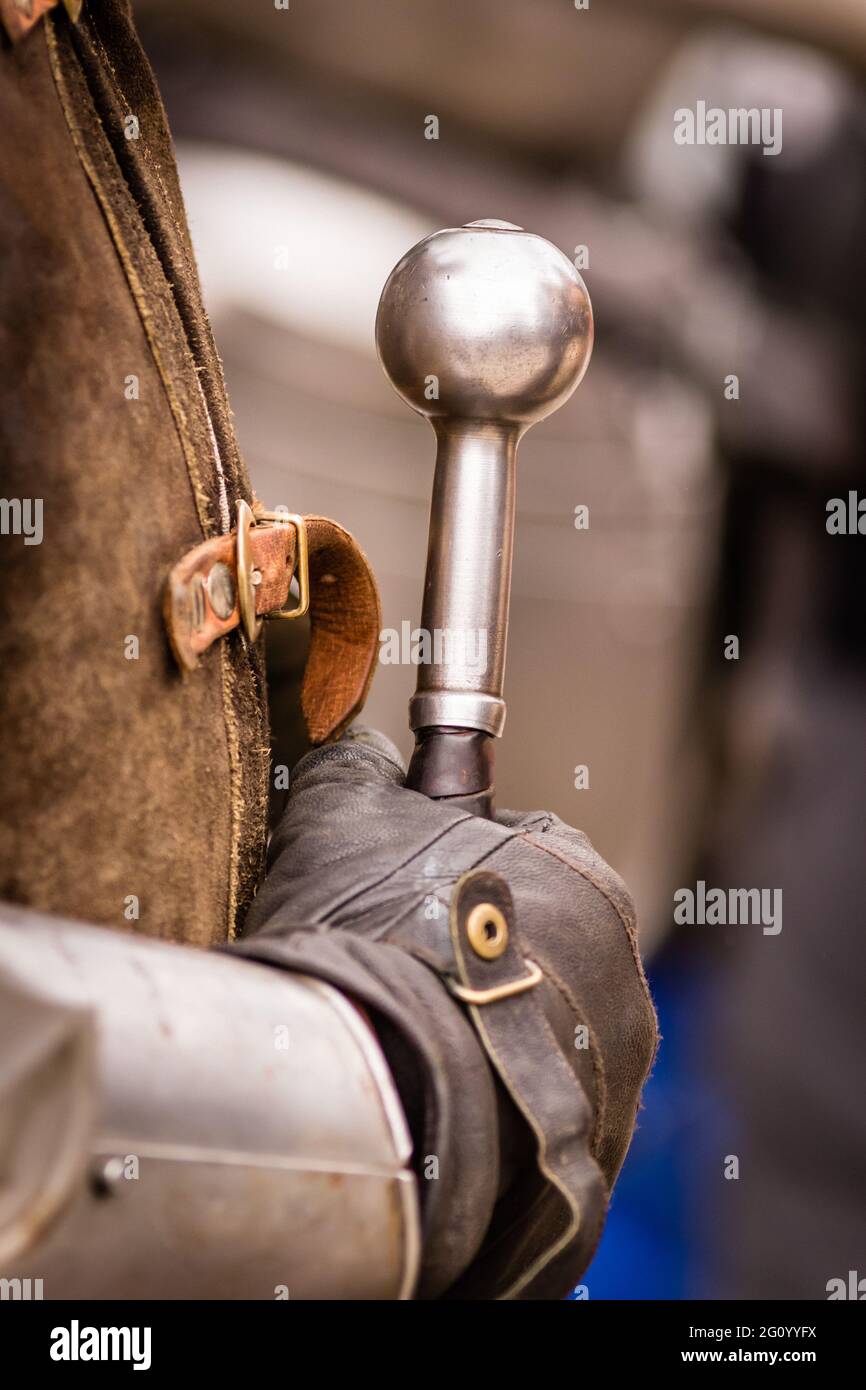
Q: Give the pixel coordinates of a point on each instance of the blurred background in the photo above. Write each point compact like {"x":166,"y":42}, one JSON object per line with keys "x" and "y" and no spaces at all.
{"x":723,"y":409}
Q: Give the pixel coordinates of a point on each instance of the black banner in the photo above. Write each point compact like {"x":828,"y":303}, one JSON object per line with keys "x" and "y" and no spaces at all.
{"x":155,"y":1338}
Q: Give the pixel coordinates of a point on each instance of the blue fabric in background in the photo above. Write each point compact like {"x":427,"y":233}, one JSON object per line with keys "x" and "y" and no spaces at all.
{"x":653,"y":1242}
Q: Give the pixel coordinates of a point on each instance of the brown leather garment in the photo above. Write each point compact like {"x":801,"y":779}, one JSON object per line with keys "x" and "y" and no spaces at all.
{"x":122,"y":779}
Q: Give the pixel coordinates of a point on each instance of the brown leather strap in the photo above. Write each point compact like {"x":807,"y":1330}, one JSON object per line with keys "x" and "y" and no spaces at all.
{"x":345,"y":622}
{"x":201,"y":596}
{"x":201,"y":605}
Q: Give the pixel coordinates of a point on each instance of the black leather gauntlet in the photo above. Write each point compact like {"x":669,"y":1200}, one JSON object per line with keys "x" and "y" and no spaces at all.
{"x":498,"y":963}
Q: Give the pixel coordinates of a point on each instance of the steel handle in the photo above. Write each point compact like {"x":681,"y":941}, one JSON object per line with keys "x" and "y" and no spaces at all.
{"x":484,"y":329}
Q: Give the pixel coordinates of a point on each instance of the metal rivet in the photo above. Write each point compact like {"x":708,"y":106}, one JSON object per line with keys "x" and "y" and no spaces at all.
{"x":487,"y":931}
{"x":221,"y":590}
{"x":196,"y":601}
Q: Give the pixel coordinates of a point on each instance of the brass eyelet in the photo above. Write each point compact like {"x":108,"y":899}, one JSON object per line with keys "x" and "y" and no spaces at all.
{"x":487,"y":931}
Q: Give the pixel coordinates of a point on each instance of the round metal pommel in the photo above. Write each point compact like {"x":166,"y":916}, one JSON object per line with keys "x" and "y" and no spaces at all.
{"x":485,"y":322}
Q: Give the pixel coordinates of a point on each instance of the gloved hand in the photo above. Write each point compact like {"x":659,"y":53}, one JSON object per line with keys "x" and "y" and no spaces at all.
{"x":527,"y":1101}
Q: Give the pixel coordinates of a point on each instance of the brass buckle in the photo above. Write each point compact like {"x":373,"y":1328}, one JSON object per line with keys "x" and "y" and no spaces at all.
{"x":249,"y":577}
{"x":506,"y":991}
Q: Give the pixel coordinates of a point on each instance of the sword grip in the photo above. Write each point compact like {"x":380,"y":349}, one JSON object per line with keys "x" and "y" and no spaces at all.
{"x":454,"y":765}
{"x":484,"y":330}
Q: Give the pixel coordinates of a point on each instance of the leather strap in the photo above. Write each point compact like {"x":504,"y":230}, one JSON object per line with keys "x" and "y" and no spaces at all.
{"x":513,"y":1029}
{"x":201,"y":605}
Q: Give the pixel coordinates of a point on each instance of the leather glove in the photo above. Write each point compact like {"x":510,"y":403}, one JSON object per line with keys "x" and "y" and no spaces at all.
{"x":526,"y":1099}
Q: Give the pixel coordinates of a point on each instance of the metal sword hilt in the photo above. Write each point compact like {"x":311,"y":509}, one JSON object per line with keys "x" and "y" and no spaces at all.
{"x":484,"y":329}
